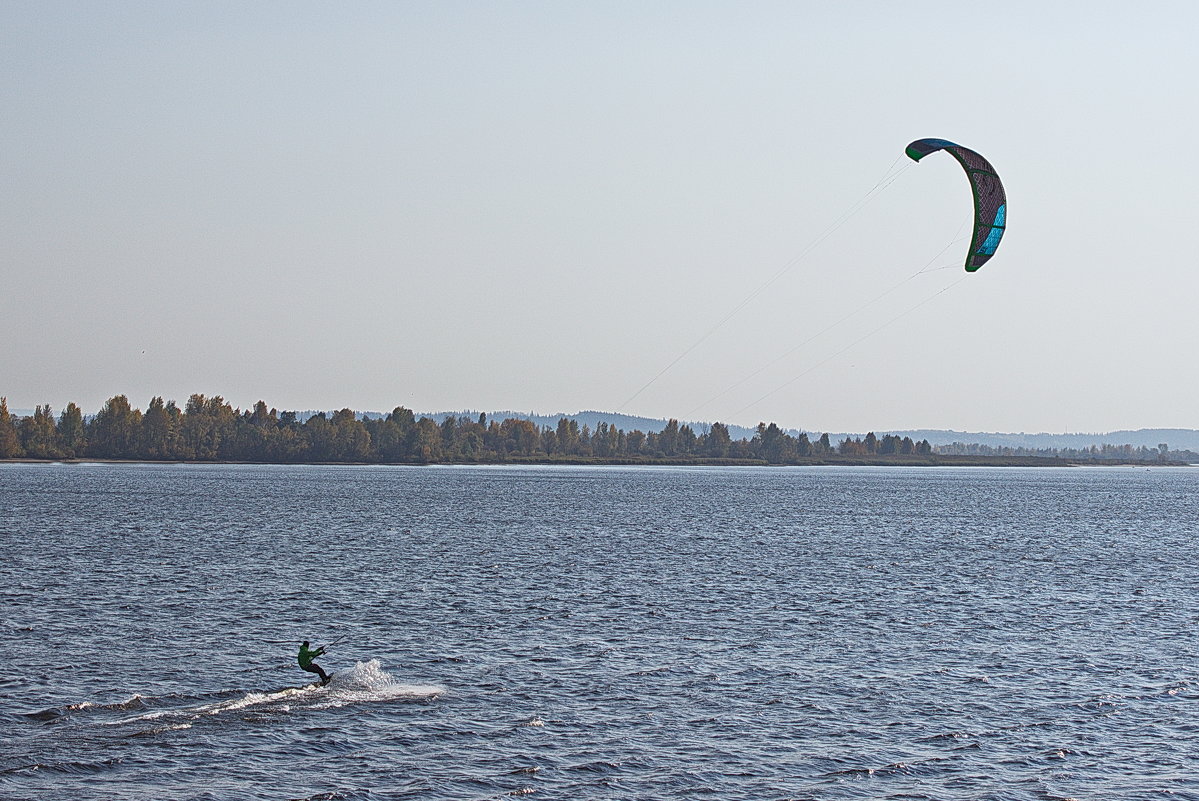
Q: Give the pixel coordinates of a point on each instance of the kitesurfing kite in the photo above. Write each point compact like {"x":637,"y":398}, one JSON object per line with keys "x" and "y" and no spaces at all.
{"x":990,"y":202}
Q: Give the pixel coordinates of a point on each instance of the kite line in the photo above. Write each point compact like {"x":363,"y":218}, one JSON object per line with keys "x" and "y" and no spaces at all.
{"x":923,"y":270}
{"x":889,"y":177}
{"x":862,"y":338}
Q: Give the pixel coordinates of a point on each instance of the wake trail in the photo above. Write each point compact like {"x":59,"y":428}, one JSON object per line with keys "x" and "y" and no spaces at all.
{"x":366,"y":682}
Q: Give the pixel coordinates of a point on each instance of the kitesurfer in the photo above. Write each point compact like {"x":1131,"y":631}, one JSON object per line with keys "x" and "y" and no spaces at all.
{"x":305,"y":661}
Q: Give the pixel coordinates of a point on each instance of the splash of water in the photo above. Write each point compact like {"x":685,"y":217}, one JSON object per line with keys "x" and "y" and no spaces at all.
{"x":369,"y":682}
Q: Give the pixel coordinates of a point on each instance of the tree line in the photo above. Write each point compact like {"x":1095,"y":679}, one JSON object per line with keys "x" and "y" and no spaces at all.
{"x":210,"y":429}
{"x":1095,"y":453}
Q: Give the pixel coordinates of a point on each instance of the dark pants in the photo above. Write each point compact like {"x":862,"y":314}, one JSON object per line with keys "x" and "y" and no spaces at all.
{"x":315,"y":668}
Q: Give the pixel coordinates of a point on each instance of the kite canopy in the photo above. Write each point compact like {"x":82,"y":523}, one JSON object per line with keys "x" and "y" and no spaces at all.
{"x":990,"y":201}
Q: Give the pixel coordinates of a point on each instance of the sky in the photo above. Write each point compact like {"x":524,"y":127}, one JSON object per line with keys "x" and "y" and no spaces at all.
{"x":677,"y":209}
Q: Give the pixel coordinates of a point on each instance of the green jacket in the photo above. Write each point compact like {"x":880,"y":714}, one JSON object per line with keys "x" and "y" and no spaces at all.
{"x":306,"y":656}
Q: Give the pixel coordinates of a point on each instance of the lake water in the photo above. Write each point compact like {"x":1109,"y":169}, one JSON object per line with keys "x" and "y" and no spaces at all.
{"x":599,"y":633}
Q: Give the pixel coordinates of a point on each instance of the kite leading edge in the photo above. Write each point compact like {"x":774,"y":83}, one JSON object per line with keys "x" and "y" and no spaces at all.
{"x":990,"y":201}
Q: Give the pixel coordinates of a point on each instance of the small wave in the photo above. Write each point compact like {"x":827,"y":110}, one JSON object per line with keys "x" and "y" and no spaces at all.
{"x":894,"y":769}
{"x":948,"y":735}
{"x":650,"y":671}
{"x":441,"y":659}
{"x":46,"y":715}
{"x":69,"y":768}
{"x":136,"y":702}
{"x":150,"y":732}
{"x":599,"y":766}
{"x":58,"y":712}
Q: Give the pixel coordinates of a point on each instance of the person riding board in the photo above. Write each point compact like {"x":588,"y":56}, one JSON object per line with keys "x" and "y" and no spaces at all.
{"x":305,"y":661}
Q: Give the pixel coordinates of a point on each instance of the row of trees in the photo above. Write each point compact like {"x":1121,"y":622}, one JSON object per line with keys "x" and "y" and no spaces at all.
{"x":1095,"y":453}
{"x":210,"y":429}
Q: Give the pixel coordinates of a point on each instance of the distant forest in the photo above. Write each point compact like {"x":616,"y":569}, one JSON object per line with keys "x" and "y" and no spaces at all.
{"x":210,"y":429}
{"x":1094,"y":453}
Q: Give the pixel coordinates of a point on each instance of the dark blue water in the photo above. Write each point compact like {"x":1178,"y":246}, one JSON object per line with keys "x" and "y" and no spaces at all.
{"x":595,"y":633}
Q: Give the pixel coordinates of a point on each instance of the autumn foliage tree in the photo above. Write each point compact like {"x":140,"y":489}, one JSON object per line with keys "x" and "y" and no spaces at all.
{"x":208,"y":428}
{"x":10,"y":443}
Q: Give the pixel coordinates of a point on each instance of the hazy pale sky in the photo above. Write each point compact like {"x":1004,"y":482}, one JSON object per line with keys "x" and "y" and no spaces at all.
{"x":539,"y":206}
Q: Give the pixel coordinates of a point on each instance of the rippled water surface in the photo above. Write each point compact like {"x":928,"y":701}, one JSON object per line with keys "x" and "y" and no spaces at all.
{"x":595,"y":633}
